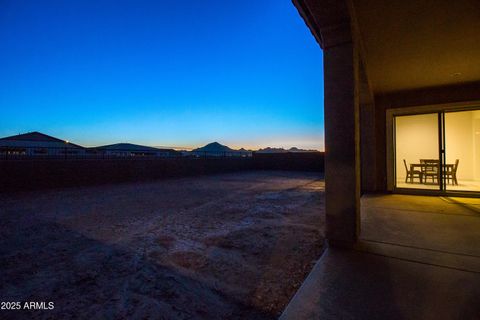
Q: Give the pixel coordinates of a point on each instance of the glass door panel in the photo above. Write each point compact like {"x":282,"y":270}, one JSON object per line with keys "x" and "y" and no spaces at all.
{"x":462,"y":142}
{"x":417,"y":160}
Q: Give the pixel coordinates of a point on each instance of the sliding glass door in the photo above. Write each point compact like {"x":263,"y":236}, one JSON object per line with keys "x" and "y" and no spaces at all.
{"x":462,"y":142}
{"x":417,"y":151}
{"x":438,"y":151}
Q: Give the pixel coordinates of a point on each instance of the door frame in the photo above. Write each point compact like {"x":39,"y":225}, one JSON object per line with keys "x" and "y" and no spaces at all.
{"x":390,"y":144}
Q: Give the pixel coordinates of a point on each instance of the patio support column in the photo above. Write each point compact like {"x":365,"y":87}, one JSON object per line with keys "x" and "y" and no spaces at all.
{"x":368,"y":147}
{"x":342,"y":138}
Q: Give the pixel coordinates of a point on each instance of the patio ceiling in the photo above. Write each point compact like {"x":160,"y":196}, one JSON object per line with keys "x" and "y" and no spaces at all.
{"x":415,"y":44}
{"x":407,"y":44}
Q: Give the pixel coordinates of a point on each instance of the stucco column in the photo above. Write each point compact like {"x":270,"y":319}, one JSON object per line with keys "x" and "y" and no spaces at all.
{"x":368,"y":147}
{"x":342,"y":151}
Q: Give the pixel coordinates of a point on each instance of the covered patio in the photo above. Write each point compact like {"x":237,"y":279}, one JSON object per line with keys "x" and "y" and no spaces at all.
{"x":393,"y":256}
{"x":417,"y":258}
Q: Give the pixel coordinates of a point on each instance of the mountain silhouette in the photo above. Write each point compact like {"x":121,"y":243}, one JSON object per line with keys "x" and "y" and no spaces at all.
{"x":214,"y":147}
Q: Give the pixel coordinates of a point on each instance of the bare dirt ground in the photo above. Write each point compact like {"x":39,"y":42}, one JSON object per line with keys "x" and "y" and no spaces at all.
{"x":232,"y":246}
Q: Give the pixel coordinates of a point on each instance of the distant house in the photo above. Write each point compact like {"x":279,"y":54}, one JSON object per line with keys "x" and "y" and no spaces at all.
{"x":133,"y":150}
{"x":282,"y":150}
{"x":37,"y":144}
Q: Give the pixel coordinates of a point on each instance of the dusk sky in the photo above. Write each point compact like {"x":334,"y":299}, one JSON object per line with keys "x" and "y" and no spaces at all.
{"x":161,"y":73}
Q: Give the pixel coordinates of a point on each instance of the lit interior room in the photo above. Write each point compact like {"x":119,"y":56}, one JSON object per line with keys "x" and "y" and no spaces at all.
{"x":418,"y":141}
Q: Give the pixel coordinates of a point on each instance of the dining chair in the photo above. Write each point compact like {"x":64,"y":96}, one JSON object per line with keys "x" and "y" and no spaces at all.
{"x":411,"y":174}
{"x":452,"y":174}
{"x":430,"y":169}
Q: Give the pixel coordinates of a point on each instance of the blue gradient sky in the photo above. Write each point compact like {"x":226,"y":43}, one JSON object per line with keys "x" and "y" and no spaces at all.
{"x":165,"y":73}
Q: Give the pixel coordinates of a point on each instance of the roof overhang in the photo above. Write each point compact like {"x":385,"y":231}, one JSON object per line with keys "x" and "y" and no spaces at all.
{"x":404,"y":45}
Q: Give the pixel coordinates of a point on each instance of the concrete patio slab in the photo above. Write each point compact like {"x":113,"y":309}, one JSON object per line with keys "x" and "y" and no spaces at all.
{"x":347,"y":284}
{"x":418,"y":258}
{"x":434,"y":223}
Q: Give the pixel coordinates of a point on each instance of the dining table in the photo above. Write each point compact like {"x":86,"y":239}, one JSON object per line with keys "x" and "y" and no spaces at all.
{"x":447,"y":167}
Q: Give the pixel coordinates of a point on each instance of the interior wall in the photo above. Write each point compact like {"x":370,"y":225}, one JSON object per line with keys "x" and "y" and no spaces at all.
{"x":416,"y":138}
{"x":460,"y":142}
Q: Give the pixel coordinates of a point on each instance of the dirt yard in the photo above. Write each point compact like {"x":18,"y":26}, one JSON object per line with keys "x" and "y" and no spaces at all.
{"x":232,"y":246}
